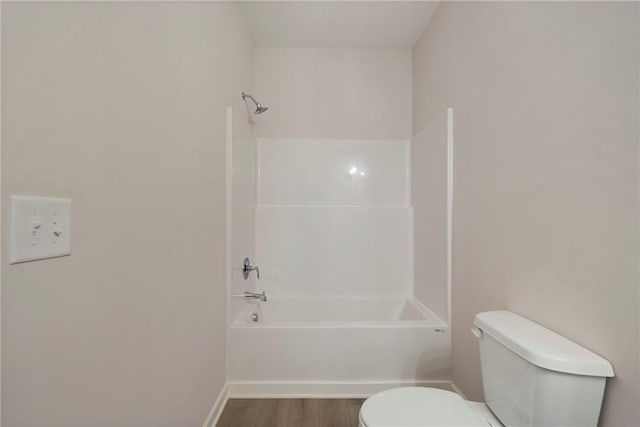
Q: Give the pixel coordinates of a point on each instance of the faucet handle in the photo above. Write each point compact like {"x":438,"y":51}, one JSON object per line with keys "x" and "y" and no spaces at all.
{"x":248,"y":268}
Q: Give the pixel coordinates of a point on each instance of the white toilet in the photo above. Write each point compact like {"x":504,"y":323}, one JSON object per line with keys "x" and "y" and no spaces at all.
{"x":531,"y":377}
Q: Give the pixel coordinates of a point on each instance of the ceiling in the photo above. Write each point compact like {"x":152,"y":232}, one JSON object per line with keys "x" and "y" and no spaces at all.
{"x":332,"y":24}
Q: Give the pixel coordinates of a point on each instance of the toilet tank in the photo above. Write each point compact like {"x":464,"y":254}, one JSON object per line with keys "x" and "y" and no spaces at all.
{"x":534,"y":377}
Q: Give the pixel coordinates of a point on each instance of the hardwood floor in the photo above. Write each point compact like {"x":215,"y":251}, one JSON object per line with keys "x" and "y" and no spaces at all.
{"x":290,"y":413}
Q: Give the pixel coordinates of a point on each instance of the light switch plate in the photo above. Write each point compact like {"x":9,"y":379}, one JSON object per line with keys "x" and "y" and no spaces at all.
{"x":40,"y":228}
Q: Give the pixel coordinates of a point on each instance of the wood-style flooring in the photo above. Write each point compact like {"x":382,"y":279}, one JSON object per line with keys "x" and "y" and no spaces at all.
{"x":290,"y":413}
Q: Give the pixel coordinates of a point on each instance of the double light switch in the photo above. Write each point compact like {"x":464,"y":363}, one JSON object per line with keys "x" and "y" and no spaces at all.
{"x":40,"y":228}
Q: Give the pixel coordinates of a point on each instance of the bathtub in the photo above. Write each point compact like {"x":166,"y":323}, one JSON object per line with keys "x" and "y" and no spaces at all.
{"x":336,"y":346}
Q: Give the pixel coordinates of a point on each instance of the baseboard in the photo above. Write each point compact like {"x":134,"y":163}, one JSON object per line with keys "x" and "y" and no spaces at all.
{"x":320,"y":389}
{"x":218,"y":406}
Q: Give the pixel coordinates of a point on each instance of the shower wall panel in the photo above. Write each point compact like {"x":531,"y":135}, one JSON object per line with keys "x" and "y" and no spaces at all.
{"x":334,"y":217}
{"x":335,"y":251}
{"x":429,"y":170}
{"x":333,"y":172}
{"x":241,"y":145}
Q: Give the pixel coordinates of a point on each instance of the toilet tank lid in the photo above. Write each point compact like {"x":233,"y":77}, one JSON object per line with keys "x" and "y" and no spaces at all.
{"x":540,"y":346}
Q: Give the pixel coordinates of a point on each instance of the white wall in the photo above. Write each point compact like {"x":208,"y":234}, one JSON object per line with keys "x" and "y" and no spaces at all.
{"x":546,"y":173}
{"x":334,"y":93}
{"x":120,"y":106}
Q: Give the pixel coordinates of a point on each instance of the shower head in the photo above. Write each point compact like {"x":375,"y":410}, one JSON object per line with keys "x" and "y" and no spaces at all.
{"x":259,"y":107}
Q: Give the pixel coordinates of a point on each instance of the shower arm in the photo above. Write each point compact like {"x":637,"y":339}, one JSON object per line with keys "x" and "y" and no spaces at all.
{"x":246,"y":95}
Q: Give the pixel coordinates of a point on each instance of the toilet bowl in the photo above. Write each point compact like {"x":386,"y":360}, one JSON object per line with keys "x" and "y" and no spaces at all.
{"x":423,"y":407}
{"x":531,"y":377}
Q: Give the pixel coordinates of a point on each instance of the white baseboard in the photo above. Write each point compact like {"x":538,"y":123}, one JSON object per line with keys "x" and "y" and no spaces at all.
{"x":218,"y":406}
{"x":320,"y":389}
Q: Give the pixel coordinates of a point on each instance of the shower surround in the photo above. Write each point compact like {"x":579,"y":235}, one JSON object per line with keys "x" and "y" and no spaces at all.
{"x":334,"y":241}
{"x":334,"y":217}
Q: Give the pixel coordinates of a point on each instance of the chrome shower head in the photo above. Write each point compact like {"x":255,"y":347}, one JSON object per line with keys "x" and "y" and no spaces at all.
{"x":259,"y":107}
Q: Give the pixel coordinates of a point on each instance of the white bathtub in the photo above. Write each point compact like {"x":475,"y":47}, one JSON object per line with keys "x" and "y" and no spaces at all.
{"x":336,"y":346}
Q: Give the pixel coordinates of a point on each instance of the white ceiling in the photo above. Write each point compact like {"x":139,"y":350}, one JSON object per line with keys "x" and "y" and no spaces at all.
{"x":349,"y":24}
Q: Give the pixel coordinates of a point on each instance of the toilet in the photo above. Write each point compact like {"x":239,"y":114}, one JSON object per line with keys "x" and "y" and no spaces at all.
{"x":531,"y":377}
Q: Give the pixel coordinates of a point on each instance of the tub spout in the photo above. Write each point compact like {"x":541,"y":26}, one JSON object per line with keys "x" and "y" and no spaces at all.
{"x":253,"y":295}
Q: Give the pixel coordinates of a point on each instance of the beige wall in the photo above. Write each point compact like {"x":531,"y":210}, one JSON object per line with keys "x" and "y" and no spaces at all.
{"x":334,"y":93}
{"x":120,"y":106}
{"x":546,"y":173}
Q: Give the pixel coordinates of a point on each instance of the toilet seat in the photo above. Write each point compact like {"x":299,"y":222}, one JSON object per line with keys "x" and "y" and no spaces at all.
{"x":418,"y":407}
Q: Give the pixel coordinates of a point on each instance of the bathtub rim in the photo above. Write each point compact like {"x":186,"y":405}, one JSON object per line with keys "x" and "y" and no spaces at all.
{"x":431,"y":320}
